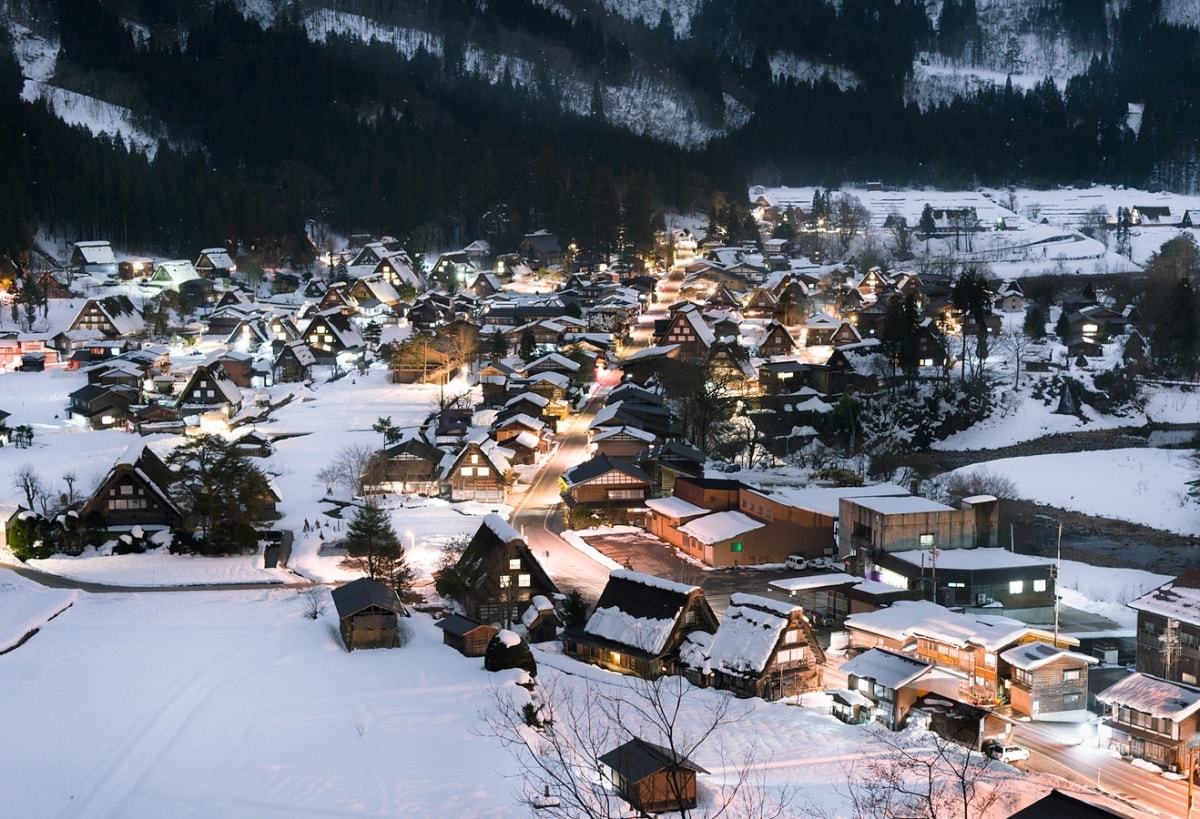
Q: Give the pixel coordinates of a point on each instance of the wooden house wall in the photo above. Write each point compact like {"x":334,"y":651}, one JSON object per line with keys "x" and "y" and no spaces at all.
{"x":466,"y":482}
{"x":1150,"y":630}
{"x":411,"y":475}
{"x":623,"y":448}
{"x":127,"y":501}
{"x":372,"y":627}
{"x":714,"y":498}
{"x":631,"y":491}
{"x":663,"y":791}
{"x":977,"y":663}
{"x":472,"y":644}
{"x":1134,"y":736}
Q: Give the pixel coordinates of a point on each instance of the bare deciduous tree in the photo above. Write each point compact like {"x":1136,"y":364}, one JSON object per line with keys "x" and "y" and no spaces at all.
{"x":1018,"y":346}
{"x":29,"y":482}
{"x":981,"y":481}
{"x":920,"y":776}
{"x":351,"y":467}
{"x":847,"y":218}
{"x":557,"y":735}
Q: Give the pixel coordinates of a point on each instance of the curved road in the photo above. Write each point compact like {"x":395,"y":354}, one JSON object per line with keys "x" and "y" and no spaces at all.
{"x":538,"y":514}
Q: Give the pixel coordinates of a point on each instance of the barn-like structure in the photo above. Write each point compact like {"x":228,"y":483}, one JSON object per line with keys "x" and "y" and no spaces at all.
{"x":369,"y":614}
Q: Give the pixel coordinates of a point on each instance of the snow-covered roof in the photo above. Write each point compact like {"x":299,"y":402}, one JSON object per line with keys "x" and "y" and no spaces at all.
{"x":747,"y":635}
{"x":887,"y":668}
{"x":527,"y":439}
{"x":643,"y":633}
{"x":791,"y":585}
{"x":825,"y":499}
{"x":501,"y":528}
{"x":219,"y":257}
{"x":1037,"y":654}
{"x":674,"y":507}
{"x":653,"y":581}
{"x":922,"y":618}
{"x":651,"y":352}
{"x":1150,"y":695}
{"x":720,"y":526}
{"x":850,"y":697}
{"x":1179,"y":599}
{"x":556,"y":360}
{"x":632,"y":432}
{"x":98,"y":252}
{"x":176,"y":271}
{"x":970,"y":559}
{"x":910,"y":504}
{"x":531,"y":397}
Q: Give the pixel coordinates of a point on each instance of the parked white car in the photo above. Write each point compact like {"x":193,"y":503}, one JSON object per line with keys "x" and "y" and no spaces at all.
{"x":1006,"y":751}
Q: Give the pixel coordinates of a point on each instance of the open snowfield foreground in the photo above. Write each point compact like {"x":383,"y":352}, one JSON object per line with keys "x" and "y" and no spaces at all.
{"x":235,"y":704}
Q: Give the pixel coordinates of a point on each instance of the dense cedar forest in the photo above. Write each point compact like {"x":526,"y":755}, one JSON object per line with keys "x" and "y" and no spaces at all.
{"x":269,"y":130}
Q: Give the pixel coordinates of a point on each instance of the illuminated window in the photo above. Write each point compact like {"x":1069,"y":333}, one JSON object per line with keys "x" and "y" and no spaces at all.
{"x":514,"y":564}
{"x":1016,"y":587}
{"x":1039,"y":585}
{"x":466,"y":472}
{"x":523,"y":581}
{"x":505,"y":581}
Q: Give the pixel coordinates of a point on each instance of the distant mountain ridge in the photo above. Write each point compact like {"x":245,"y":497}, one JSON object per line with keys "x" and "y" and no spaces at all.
{"x":554,"y":103}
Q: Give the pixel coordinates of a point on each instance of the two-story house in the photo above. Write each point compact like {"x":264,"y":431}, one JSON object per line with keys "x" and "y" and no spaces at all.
{"x":1154,"y":713}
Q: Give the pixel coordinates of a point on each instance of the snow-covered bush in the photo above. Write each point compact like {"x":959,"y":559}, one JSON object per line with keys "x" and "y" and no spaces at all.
{"x":508,"y":650}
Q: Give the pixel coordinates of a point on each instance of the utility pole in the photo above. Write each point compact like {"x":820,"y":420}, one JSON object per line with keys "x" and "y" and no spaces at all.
{"x":1170,"y":649}
{"x":1054,"y":573}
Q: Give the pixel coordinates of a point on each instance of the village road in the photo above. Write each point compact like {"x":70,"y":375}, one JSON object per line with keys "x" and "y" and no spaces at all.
{"x":1056,"y":748}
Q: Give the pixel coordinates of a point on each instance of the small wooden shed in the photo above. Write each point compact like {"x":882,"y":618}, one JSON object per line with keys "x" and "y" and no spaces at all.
{"x":369,"y":613}
{"x":652,"y":778}
{"x":541,"y":621}
{"x":466,"y":636}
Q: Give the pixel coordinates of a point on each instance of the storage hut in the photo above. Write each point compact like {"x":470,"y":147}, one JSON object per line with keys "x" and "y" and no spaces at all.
{"x":369,"y":613}
{"x":468,"y":637}
{"x":652,"y":778}
{"x":541,"y":621}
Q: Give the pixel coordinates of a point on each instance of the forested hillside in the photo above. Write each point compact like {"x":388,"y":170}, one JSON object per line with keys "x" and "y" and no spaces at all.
{"x":441,"y":121}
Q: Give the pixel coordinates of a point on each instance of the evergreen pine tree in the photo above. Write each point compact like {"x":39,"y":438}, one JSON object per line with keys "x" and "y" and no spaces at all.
{"x":375,"y":549}
{"x":528,"y":349}
{"x":1062,"y":328}
{"x":927,"y":225}
{"x":1035,"y":322}
{"x":575,"y":610}
{"x":498,"y":345}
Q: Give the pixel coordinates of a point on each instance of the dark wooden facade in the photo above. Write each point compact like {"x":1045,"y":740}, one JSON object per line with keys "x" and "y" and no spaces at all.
{"x":368,"y":614}
{"x":134,"y":493}
{"x":652,"y":778}
{"x":468,"y":637}
{"x":500,"y":574}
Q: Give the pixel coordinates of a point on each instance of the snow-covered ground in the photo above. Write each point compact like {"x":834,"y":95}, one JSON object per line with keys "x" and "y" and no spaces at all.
{"x":236,"y":704}
{"x":1041,"y":232}
{"x":1143,"y":485}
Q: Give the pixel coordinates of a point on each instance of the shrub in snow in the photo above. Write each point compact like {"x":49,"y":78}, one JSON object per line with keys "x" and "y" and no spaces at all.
{"x":508,"y":650}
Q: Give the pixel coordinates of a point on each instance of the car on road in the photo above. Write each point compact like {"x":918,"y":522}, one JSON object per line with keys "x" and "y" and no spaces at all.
{"x":1005,"y":751}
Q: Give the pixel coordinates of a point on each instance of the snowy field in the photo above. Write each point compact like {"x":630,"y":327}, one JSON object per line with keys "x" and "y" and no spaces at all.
{"x":1146,"y":486}
{"x":235,"y":704}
